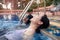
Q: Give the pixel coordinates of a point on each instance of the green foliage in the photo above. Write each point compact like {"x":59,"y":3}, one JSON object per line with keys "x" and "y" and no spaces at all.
{"x":48,"y":3}
{"x":32,"y":7}
{"x":30,"y":10}
{"x":56,"y":2}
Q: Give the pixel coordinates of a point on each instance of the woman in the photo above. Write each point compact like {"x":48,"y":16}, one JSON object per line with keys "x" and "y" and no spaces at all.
{"x":30,"y":33}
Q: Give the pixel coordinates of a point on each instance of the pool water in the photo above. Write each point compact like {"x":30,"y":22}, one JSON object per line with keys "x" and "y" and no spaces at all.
{"x":54,"y":30}
{"x":8,"y":24}
{"x":11,"y":24}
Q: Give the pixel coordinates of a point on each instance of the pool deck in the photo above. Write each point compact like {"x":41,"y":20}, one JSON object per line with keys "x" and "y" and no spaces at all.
{"x":55,"y":17}
{"x":55,"y":23}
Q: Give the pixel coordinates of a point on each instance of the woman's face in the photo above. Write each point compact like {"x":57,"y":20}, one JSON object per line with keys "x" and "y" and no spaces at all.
{"x":36,"y":20}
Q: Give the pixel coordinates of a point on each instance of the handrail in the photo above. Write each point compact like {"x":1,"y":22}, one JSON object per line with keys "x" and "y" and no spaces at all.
{"x":26,"y":9}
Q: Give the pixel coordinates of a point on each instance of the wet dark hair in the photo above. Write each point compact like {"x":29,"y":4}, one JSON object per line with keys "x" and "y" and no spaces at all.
{"x":45,"y":24}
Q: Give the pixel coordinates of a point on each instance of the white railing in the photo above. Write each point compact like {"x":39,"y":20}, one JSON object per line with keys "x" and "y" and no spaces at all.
{"x":26,"y":9}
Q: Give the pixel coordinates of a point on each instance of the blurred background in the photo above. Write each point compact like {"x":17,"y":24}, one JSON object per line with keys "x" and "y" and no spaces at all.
{"x":10,"y":11}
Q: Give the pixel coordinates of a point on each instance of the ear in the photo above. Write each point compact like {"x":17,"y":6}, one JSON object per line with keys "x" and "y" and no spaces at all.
{"x":40,"y":22}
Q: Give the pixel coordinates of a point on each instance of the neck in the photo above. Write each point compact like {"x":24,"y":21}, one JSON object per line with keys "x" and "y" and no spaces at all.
{"x":33,"y":27}
{"x":30,"y":30}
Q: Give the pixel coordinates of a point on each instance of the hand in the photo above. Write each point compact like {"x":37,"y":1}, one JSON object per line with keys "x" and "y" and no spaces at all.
{"x":25,"y":20}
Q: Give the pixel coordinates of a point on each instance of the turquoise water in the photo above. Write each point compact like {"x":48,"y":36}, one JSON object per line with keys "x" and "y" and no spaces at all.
{"x":6,"y":26}
{"x":54,"y":30}
{"x":9,"y":24}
